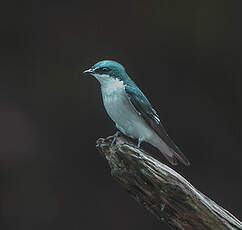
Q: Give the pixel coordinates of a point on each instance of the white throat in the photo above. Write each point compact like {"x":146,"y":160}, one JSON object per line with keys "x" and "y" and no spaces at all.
{"x":108,"y":83}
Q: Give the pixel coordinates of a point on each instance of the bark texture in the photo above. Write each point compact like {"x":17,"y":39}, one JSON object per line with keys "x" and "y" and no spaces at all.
{"x":162,"y":191}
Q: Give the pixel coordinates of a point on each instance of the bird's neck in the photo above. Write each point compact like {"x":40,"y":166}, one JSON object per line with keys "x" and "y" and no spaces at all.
{"x":110,"y":86}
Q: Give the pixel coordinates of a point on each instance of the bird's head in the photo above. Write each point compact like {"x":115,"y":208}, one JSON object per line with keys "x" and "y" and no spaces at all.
{"x":107,"y":71}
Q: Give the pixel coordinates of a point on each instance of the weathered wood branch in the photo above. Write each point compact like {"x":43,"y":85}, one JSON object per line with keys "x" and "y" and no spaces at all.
{"x":162,"y":191}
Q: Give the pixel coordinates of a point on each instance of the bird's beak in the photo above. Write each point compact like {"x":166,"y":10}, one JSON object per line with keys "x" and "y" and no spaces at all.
{"x":89,"y":71}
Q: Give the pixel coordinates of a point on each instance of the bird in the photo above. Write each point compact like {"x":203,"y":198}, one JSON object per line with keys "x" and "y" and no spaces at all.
{"x":131,"y":111}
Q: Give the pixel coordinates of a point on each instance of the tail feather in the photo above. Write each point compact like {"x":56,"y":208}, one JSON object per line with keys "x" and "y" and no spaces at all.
{"x":172,"y":160}
{"x":181,"y":157}
{"x":170,"y":154}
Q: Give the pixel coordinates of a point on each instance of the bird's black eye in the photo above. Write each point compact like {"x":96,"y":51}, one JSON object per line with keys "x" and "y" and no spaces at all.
{"x":104,"y":69}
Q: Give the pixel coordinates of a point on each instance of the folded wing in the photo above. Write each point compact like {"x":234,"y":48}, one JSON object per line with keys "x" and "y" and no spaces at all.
{"x":144,"y":108}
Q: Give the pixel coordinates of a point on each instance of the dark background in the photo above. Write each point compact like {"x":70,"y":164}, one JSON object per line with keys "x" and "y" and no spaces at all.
{"x":184,"y":55}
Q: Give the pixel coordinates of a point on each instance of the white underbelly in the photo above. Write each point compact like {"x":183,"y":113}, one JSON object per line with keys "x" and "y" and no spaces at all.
{"x":127,"y":120}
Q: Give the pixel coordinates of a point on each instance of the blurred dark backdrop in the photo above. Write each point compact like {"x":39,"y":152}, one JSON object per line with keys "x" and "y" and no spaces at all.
{"x":185,"y":56}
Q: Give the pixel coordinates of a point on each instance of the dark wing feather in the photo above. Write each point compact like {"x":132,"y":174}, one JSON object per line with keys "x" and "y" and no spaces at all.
{"x":144,"y":108}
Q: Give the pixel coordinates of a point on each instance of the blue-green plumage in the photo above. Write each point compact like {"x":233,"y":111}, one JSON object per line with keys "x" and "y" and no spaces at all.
{"x":131,"y":111}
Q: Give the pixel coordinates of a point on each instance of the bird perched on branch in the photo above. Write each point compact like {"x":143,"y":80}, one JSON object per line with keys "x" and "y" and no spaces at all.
{"x":131,"y":111}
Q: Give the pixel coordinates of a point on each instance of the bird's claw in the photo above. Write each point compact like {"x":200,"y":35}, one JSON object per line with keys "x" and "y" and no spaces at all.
{"x":139,"y":142}
{"x":115,"y":136}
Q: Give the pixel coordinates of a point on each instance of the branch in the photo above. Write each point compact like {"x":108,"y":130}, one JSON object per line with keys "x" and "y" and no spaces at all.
{"x":162,"y":191}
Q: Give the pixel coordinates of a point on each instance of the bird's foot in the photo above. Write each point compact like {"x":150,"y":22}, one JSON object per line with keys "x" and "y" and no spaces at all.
{"x":115,"y":136}
{"x":139,"y":142}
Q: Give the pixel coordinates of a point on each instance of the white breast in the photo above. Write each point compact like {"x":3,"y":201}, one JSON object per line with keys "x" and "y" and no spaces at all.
{"x":122,"y":111}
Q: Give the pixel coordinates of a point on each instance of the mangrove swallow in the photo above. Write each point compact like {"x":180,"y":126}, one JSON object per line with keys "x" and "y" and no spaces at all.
{"x":131,"y":111}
